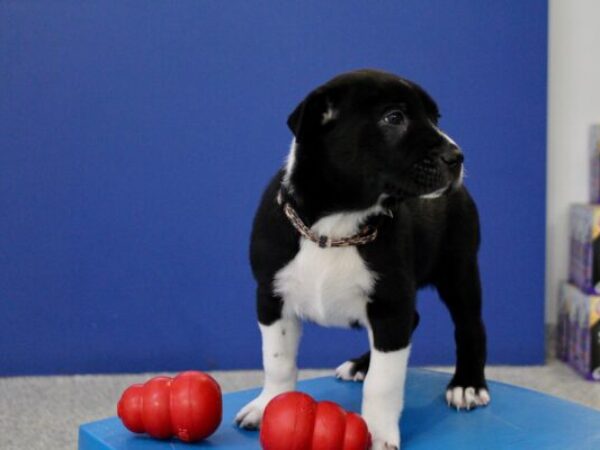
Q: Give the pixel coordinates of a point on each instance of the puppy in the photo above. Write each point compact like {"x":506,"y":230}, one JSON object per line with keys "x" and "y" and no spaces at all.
{"x":369,"y":208}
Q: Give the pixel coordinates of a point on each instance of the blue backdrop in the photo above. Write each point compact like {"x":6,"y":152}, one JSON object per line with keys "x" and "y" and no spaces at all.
{"x":136,"y":138}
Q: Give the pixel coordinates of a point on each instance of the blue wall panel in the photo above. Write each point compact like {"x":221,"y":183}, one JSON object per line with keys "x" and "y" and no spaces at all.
{"x":136,"y":137}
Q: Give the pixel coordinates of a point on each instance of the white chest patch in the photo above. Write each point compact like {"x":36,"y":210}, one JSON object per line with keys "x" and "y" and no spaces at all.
{"x":329,"y":286}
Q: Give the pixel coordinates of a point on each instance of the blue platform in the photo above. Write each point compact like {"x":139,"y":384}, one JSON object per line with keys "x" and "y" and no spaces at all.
{"x":516,"y":419}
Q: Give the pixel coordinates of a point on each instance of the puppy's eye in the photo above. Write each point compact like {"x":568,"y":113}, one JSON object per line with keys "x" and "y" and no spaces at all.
{"x":395,"y":117}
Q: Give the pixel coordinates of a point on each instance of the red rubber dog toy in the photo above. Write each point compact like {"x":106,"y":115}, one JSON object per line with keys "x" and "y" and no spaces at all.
{"x":188,"y":406}
{"x":294,"y":421}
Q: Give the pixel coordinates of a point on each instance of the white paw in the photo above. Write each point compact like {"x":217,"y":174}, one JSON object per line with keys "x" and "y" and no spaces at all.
{"x":249,"y":416}
{"x":467,"y":398}
{"x":385,"y":434}
{"x":382,"y":445}
{"x":345,"y":372}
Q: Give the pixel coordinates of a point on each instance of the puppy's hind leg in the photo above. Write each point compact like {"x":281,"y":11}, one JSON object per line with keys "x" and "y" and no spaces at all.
{"x":356,"y":369}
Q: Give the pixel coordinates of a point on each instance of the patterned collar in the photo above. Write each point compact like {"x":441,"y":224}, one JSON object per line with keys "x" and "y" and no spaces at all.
{"x":367,"y":234}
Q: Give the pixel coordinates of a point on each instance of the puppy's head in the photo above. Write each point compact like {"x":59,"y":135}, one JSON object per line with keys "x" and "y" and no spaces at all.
{"x":371,"y":133}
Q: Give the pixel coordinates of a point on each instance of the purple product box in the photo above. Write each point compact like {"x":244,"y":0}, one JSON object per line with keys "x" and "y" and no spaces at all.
{"x":564,"y":323}
{"x":584,"y":257}
{"x":595,"y":163}
{"x":578,"y":335}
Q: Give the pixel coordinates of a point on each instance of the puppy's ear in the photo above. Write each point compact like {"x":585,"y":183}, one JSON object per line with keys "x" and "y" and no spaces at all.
{"x":313,"y":115}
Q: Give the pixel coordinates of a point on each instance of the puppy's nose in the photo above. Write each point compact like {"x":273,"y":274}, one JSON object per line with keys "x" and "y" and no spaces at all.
{"x":452,"y":157}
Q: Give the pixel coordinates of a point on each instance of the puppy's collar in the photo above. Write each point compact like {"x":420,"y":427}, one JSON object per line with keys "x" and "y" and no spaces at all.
{"x":364,"y":236}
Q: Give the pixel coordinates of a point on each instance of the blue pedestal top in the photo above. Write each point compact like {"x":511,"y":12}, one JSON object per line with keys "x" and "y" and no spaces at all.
{"x":516,"y":419}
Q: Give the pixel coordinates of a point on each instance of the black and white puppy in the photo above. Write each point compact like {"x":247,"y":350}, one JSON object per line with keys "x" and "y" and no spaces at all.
{"x":369,"y":208}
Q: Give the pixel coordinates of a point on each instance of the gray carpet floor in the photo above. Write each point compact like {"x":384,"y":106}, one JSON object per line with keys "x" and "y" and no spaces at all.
{"x":44,"y":412}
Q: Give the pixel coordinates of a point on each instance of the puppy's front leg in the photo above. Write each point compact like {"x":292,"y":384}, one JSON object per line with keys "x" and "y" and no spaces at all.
{"x":383,"y":390}
{"x":279,"y":348}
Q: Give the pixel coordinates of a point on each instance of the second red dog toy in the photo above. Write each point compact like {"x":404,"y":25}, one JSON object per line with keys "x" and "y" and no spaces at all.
{"x":294,"y":421}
